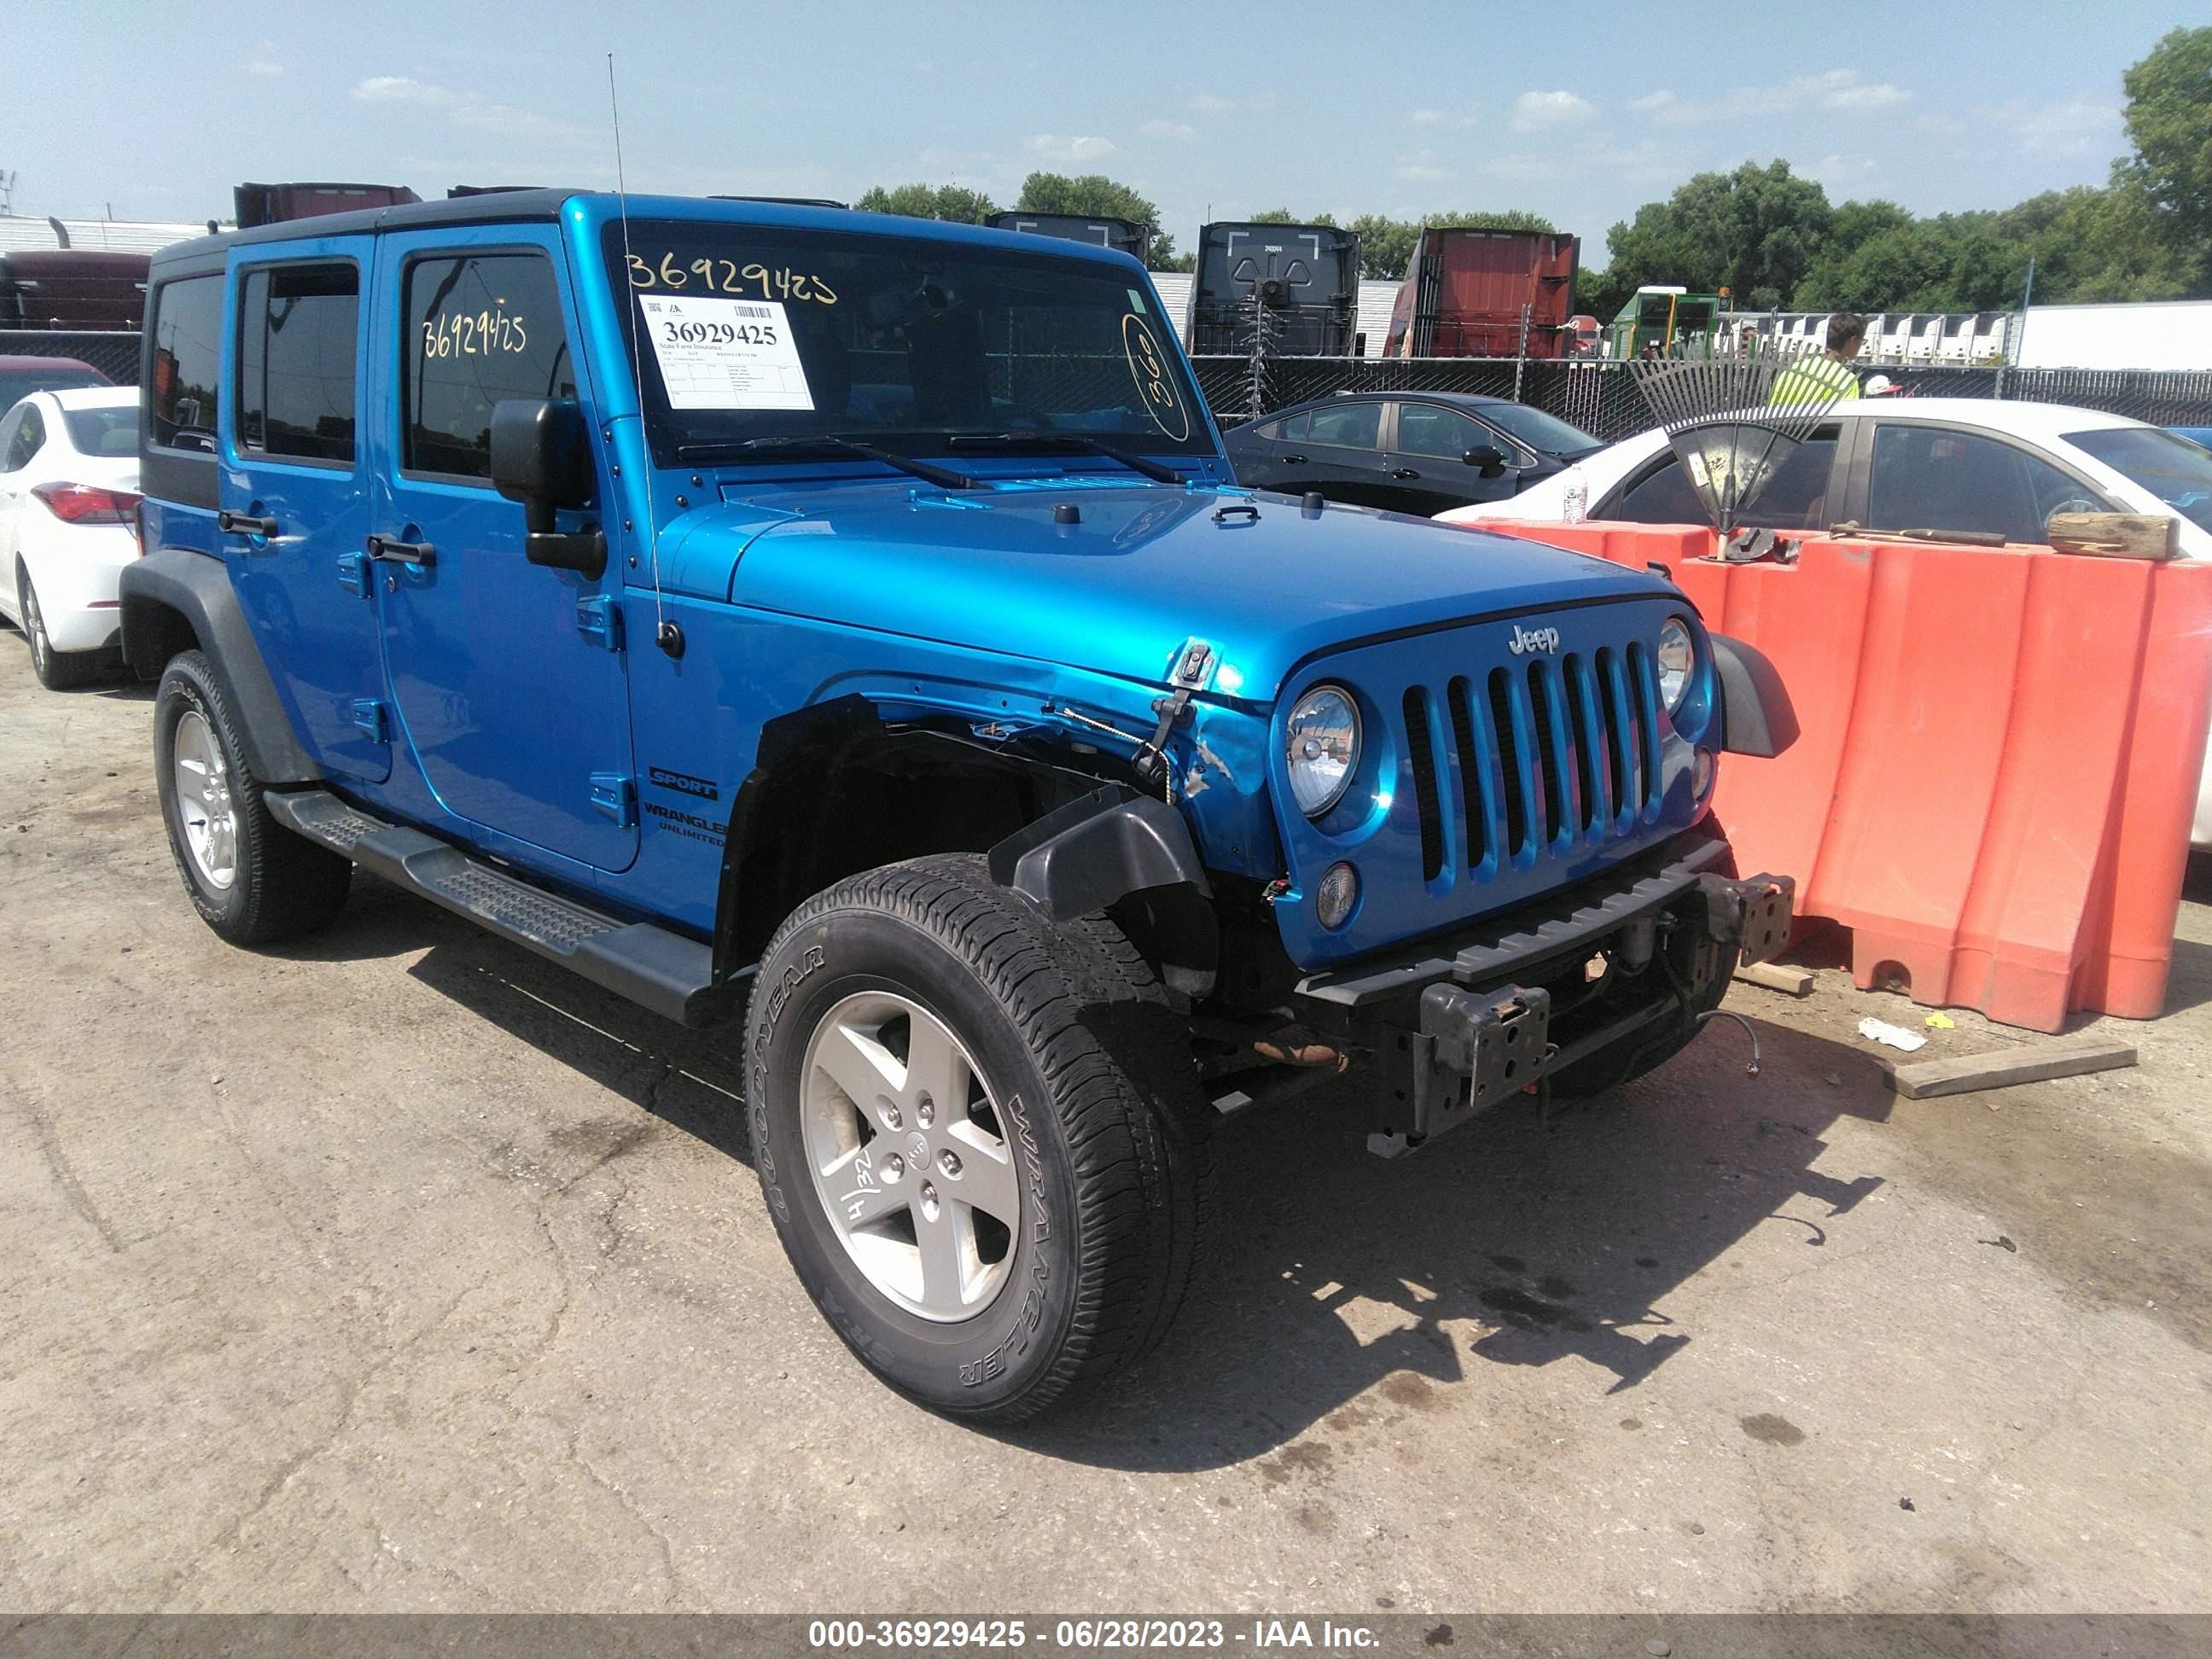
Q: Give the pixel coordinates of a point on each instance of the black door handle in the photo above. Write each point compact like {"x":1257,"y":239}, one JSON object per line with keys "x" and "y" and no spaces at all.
{"x":1295,"y":461}
{"x":1404,"y":472}
{"x":388,"y":549}
{"x":244,"y":524}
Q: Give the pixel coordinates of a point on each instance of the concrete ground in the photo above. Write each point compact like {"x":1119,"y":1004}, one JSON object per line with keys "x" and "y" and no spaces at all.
{"x":400,"y":1271}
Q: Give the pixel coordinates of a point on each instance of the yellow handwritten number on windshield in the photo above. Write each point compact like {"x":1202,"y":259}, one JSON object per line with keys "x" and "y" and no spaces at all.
{"x":728,"y":277}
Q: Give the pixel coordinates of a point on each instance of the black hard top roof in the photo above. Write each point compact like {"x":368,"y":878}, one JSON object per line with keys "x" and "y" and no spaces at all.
{"x":492,"y":208}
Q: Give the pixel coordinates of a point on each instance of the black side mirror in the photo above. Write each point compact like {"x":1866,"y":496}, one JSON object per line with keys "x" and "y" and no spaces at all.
{"x":541,"y":456}
{"x":1488,"y":457}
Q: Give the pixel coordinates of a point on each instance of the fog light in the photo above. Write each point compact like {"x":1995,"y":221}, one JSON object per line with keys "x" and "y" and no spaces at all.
{"x":1701,"y":772}
{"x":1337,"y":892}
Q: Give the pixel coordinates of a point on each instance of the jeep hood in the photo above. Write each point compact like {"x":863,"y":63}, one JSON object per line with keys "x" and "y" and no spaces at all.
{"x":1268,"y":583}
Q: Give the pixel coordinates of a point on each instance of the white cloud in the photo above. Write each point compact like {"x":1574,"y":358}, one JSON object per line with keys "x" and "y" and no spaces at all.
{"x":1181,"y":131}
{"x":402,"y":90}
{"x":1470,"y":115}
{"x":2078,"y":126}
{"x":1519,"y":167}
{"x":1213,"y":103}
{"x":464,"y":109}
{"x":1839,"y":171}
{"x":1836,"y":92}
{"x":267,"y":69}
{"x":1421,"y":167}
{"x":1535,"y":111}
{"x":1054,"y":148}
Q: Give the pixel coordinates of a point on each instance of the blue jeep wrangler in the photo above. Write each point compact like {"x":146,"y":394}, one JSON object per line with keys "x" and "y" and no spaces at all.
{"x":857,"y":614}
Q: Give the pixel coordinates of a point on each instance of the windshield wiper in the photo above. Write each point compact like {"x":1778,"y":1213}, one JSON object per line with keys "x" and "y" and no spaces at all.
{"x":800,"y":443}
{"x":1135,"y":463}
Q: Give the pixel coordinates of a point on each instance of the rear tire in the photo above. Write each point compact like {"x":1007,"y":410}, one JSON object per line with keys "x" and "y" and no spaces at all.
{"x":251,"y":880}
{"x":57,"y":671}
{"x":1077,"y":1132}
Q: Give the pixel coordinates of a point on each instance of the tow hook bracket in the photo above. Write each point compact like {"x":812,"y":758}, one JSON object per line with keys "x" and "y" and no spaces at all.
{"x":1473,"y":1049}
{"x":1754,"y":914}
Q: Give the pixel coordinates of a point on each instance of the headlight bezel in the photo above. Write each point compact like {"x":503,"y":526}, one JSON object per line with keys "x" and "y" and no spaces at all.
{"x":1674,"y":702}
{"x":1295,"y":727}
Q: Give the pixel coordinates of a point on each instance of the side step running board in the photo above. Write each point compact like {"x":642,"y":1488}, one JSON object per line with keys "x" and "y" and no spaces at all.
{"x":665,"y":972}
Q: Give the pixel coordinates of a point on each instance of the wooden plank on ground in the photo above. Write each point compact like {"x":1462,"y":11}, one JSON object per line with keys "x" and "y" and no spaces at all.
{"x":2116,"y":535}
{"x":1773,"y":976}
{"x":1967,"y":1073}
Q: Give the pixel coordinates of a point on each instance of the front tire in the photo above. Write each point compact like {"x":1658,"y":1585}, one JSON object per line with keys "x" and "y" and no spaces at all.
{"x":251,"y":880}
{"x":57,"y":671}
{"x":980,"y":1137}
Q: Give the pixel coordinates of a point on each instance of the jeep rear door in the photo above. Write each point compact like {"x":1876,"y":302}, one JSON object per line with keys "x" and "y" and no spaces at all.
{"x":293,"y":490}
{"x":508,"y":678}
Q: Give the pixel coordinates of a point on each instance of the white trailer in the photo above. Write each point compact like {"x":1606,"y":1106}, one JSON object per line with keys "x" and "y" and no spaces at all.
{"x":2153,"y":334}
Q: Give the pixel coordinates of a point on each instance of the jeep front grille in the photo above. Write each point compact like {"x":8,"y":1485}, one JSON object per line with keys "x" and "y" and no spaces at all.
{"x":1531,"y":760}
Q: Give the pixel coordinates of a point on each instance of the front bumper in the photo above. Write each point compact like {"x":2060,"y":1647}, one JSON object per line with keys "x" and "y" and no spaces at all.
{"x":1459,"y":1024}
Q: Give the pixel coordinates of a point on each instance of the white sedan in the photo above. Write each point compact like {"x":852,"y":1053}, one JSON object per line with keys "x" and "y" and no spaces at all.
{"x":1936,"y":464}
{"x":69,"y":524}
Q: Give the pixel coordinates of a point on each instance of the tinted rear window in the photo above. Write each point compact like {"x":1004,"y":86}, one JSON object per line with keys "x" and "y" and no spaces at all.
{"x":20,"y":384}
{"x":102,"y":431}
{"x":296,"y":332}
{"x":187,"y":339}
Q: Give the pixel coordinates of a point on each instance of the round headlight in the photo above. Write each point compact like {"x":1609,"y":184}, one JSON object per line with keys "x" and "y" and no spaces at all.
{"x":1678,"y":660}
{"x":1322,"y":747}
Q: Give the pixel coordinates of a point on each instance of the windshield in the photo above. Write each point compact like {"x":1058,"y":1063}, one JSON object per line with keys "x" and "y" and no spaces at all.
{"x":1546,"y":433}
{"x":104,"y":430}
{"x":2177,"y":471}
{"x":771,"y":333}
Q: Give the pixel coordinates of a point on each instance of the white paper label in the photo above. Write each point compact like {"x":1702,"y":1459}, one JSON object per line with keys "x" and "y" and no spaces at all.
{"x":726,"y":354}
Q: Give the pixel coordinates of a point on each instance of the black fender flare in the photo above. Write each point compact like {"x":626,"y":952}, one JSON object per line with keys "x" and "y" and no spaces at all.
{"x":1097,"y":851}
{"x":1756,"y":717}
{"x":1115,"y":849}
{"x":196,"y":587}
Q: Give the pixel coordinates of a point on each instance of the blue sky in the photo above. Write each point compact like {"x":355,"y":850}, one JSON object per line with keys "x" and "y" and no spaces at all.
{"x":155,"y":110}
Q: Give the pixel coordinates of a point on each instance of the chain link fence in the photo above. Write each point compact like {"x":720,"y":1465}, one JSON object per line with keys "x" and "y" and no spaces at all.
{"x":115,"y":356}
{"x":1601,"y":397}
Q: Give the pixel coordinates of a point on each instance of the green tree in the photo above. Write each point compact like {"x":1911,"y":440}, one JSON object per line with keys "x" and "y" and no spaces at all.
{"x":1386,"y":245}
{"x":1095,"y":195}
{"x":1758,"y":227}
{"x":964,"y":207}
{"x":2169,"y":121}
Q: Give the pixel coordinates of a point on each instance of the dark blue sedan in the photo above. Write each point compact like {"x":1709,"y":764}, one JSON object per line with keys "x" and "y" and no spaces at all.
{"x":1413,"y":451}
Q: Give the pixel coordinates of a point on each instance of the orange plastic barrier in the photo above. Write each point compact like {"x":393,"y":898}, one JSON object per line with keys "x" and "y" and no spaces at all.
{"x":1998,"y":766}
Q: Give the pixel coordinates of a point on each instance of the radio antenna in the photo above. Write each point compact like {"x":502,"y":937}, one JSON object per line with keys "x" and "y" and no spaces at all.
{"x":666,"y":633}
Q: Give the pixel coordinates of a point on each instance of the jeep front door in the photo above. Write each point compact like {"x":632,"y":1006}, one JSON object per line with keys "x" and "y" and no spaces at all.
{"x":508,"y":678}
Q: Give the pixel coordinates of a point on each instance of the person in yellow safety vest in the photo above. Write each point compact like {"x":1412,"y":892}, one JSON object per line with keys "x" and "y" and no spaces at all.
{"x":1828,"y":376}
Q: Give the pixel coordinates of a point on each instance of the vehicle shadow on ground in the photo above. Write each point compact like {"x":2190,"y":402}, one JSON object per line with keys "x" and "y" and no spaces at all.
{"x":690,"y":1079}
{"x":1333,"y":1274}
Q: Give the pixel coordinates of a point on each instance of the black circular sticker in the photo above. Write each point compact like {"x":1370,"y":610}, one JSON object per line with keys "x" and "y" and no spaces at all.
{"x":1148,"y":364}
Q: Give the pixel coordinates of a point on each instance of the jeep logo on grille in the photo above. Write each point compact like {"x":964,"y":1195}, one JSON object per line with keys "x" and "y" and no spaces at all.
{"x":1528,"y":640}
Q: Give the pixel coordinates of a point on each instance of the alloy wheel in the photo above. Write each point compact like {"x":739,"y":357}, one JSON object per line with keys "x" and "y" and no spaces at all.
{"x":909,"y":1156}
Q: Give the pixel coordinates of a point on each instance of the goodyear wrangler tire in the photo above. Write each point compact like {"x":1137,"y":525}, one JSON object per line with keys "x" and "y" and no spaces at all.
{"x":980,"y":1135}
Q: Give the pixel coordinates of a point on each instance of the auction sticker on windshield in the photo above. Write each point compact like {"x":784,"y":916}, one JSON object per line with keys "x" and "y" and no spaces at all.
{"x":726,"y":354}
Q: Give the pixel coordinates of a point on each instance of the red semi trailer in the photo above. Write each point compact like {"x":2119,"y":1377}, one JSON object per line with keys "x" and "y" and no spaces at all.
{"x":1468,"y":290}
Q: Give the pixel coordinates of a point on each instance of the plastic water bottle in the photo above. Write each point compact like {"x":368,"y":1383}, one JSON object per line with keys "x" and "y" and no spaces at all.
{"x":1575,"y":506}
